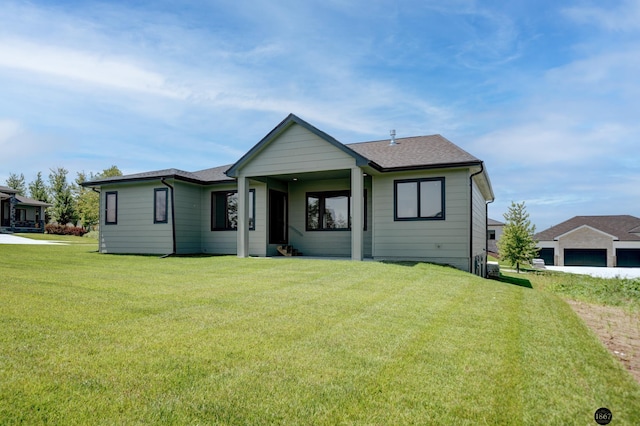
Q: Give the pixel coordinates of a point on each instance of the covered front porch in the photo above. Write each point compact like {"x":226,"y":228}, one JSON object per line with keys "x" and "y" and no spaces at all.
{"x":311,"y":213}
{"x":20,"y":214}
{"x":315,"y":198}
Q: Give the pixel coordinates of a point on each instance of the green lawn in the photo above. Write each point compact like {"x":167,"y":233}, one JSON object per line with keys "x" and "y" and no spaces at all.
{"x":106,"y":339}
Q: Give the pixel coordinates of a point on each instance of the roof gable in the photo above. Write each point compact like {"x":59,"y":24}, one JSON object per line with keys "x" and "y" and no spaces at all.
{"x":586,"y":227}
{"x":278,"y":131}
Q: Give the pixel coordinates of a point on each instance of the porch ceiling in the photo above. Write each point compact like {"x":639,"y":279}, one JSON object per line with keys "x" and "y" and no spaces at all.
{"x":308,"y":176}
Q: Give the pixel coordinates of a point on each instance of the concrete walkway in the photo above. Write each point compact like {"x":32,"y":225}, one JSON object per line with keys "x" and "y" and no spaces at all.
{"x":598,"y":272}
{"x":14,"y":239}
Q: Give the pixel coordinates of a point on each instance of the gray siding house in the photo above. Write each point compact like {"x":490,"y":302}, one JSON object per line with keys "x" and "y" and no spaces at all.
{"x":419,"y":198}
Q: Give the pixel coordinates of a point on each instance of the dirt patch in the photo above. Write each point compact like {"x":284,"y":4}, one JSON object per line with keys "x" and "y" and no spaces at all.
{"x":618,"y":329}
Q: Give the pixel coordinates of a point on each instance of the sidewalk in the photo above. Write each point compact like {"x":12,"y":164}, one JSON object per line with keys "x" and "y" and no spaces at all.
{"x":13,"y":239}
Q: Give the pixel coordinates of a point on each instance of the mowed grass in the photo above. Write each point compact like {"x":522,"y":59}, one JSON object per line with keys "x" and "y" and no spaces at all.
{"x":109,"y":339}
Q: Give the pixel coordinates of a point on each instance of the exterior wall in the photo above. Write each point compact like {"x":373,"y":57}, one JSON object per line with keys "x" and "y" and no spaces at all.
{"x":226,"y":242}
{"x":585,"y":238}
{"x":439,"y":241}
{"x":323,"y":243}
{"x":188,"y":206}
{"x":479,"y":238}
{"x":297,"y":151}
{"x":135,"y":231}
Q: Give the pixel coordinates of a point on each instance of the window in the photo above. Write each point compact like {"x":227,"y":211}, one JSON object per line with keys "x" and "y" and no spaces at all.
{"x":224,"y":210}
{"x":491,"y":234}
{"x":160,"y":203}
{"x":111,"y":208}
{"x":21,"y":215}
{"x":419,"y":199}
{"x":331,"y":210}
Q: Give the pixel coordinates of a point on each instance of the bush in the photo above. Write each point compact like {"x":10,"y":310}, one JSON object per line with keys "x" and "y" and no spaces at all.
{"x":56,"y":229}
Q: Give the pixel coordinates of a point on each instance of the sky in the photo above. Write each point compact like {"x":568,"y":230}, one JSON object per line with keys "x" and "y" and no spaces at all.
{"x":545,"y":92}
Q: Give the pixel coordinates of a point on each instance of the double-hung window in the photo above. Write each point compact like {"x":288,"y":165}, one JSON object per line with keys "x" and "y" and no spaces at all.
{"x":160,"y":203}
{"x":419,"y":199}
{"x":224,"y":210}
{"x":111,"y":208}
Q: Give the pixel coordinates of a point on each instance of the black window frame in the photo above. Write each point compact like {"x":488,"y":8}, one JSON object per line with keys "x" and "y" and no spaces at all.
{"x":322,"y":196}
{"x":107,"y":205}
{"x":156,"y":191}
{"x":215,"y":222}
{"x":418,"y":216}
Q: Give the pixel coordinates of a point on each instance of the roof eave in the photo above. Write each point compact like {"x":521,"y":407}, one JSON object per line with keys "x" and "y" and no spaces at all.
{"x":425,"y":166}
{"x":97,"y":183}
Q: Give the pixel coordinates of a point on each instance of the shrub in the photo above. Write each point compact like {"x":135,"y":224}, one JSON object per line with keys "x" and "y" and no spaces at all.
{"x":57,"y":229}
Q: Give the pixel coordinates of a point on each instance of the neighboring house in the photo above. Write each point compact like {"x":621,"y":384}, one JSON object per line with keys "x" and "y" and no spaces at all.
{"x":494,"y":232}
{"x":592,"y":241}
{"x":20,"y":214}
{"x":420,"y":198}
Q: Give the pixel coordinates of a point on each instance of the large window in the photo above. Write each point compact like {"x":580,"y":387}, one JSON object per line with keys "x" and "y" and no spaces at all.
{"x":111,"y":208}
{"x":419,"y":199}
{"x":331,"y":210}
{"x":224,"y":210}
{"x":160,"y":203}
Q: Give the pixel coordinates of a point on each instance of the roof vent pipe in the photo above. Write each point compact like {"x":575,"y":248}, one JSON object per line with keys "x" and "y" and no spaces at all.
{"x":393,"y":138}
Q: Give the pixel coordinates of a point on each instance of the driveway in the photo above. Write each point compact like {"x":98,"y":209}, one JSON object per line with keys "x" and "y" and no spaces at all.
{"x":598,"y":272}
{"x":13,"y":239}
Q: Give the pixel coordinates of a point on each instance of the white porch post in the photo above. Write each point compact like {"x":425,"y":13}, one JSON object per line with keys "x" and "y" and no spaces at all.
{"x":243,"y":216}
{"x":357,"y":213}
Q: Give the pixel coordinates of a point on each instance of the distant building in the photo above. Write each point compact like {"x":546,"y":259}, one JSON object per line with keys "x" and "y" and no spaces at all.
{"x":494,"y":232}
{"x":607,"y":241}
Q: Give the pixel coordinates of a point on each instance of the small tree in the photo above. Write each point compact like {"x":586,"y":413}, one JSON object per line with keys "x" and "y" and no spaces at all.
{"x":63,"y":210}
{"x":17,"y":182}
{"x":88,"y":201}
{"x":517,"y":244}
{"x":38,"y":189}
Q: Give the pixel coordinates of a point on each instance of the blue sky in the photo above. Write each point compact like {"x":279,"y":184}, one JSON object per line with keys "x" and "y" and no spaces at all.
{"x":547,"y":93}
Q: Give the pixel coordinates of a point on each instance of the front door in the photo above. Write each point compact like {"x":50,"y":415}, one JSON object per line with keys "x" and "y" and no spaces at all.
{"x":278,"y":223}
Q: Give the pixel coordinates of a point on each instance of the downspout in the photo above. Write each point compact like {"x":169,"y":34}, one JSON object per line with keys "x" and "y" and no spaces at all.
{"x":99,"y":216}
{"x":173,"y":219}
{"x":471,"y":215}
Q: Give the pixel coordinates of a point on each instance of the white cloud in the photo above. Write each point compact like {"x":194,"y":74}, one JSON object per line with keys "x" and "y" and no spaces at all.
{"x":625,"y":17}
{"x":98,"y":69}
{"x":8,"y":130}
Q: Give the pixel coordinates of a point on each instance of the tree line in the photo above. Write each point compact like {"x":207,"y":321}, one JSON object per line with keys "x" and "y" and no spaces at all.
{"x":71,"y":203}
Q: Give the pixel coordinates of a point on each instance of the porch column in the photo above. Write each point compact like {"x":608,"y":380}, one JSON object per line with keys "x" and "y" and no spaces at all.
{"x":243,"y":216}
{"x":357,"y":213}
{"x":12,"y":211}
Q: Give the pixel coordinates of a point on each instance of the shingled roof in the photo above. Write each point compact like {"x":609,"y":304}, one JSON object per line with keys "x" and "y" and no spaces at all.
{"x":414,"y":152}
{"x":215,"y":174}
{"x":411,"y":153}
{"x":623,"y":227}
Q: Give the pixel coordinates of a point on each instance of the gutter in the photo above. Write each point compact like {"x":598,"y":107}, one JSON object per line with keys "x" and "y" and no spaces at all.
{"x":173,"y":219}
{"x":471,"y":215}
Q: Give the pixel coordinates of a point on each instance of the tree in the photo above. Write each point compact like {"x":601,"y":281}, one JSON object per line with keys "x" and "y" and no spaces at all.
{"x":38,"y":189}
{"x":17,"y":182}
{"x":63,"y":210}
{"x":88,"y":201}
{"x":517,"y":244}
